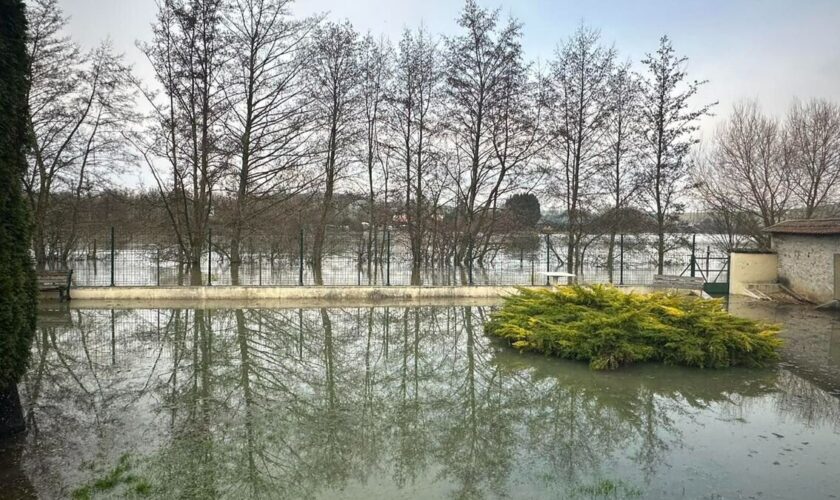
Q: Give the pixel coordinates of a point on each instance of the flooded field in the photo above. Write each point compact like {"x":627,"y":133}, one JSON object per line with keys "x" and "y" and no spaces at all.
{"x":407,"y":402}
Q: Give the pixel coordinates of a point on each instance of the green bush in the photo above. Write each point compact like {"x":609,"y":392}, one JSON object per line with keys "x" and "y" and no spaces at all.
{"x":609,"y":328}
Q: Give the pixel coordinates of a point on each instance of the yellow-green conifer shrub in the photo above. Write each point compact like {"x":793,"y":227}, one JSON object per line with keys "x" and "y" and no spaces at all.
{"x":609,"y":328}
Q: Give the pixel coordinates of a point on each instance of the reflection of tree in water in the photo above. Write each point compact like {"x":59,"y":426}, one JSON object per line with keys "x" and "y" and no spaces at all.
{"x":410,"y":414}
{"x":575,"y":418}
{"x":301,"y":403}
{"x":187,"y":466}
{"x":74,"y":393}
{"x":806,"y":402}
{"x":477,"y":443}
{"x":327,"y":421}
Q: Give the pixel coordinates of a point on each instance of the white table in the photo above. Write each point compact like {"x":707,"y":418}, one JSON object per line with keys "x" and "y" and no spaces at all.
{"x":554,"y":276}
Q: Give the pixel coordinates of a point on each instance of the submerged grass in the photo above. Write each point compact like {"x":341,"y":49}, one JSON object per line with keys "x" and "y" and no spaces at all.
{"x":607,"y":488}
{"x":113,"y":479}
{"x":609,"y":328}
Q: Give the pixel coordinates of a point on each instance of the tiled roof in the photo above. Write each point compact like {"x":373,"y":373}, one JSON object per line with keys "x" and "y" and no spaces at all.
{"x":806,"y":226}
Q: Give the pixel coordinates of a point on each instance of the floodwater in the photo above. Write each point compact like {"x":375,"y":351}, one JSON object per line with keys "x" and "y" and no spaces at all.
{"x":407,"y":402}
{"x":344,"y":264}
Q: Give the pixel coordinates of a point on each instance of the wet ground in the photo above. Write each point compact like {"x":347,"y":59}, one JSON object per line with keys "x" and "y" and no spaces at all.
{"x":407,"y":402}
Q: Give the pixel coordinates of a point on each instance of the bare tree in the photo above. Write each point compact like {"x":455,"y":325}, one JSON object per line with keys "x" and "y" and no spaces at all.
{"x":413,"y":98}
{"x":622,"y":155}
{"x":79,"y":106}
{"x":727,"y":224}
{"x":813,"y":129}
{"x":187,"y":54}
{"x":749,"y":175}
{"x":334,"y":85}
{"x":521,"y":138}
{"x":581,"y":107}
{"x":268,"y":124}
{"x":668,"y":125}
{"x":481,"y":63}
{"x":376,"y":67}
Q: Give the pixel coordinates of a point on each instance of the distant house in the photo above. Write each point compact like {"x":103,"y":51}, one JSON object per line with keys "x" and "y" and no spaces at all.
{"x":809,"y":257}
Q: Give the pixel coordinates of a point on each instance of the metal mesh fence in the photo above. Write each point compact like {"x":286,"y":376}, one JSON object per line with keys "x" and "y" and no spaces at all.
{"x":107,"y":256}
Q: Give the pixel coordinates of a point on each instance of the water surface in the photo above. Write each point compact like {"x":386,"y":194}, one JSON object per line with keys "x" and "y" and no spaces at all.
{"x":403,"y":402}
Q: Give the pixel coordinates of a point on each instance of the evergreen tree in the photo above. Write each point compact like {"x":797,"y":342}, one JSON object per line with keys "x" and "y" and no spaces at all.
{"x":525,"y":209}
{"x":18,"y":298}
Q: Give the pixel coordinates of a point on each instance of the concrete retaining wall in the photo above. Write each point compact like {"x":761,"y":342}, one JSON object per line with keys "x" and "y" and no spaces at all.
{"x":747,"y":268}
{"x":312,"y":296}
{"x":269,"y":293}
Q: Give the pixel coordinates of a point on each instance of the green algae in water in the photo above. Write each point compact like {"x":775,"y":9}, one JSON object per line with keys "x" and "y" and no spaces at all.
{"x":606,"y":488}
{"x":609,"y":328}
{"x":120,"y":475}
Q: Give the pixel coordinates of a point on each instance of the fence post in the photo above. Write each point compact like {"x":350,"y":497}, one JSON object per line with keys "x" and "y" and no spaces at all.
{"x":621,"y":260}
{"x":300,"y":258}
{"x":547,"y":258}
{"x":728,"y":268}
{"x":708,"y":251}
{"x":693,"y":249}
{"x":158,"y":266}
{"x":533,"y":259}
{"x":112,"y":256}
{"x":259,"y":271}
{"x":388,"y":259}
{"x":209,"y":255}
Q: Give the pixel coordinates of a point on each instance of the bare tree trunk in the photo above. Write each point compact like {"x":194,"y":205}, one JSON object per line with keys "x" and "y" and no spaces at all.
{"x":660,"y":246}
{"x":321,"y":231}
{"x":611,"y":256}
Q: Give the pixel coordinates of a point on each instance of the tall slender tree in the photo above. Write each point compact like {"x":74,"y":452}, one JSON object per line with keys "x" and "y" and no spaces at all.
{"x":580,"y":80}
{"x":482,"y":63}
{"x":268,"y":125}
{"x":376,"y":68}
{"x":187,"y":53}
{"x":520,"y":138}
{"x":334,"y":80}
{"x":669,"y":124}
{"x":622,"y":154}
{"x":18,"y":298}
{"x":414,"y":93}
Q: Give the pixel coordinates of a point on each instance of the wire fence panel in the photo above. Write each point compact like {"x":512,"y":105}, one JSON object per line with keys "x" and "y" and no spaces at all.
{"x":106,"y":256}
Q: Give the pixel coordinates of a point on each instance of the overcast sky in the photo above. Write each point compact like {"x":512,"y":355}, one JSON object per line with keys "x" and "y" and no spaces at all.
{"x":770,"y":50}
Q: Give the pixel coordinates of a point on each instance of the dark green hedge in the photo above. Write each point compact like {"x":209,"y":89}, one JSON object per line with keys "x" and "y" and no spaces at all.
{"x":18,"y":293}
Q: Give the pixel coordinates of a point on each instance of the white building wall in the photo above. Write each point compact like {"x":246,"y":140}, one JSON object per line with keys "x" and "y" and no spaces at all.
{"x":748,"y":268}
{"x":806,"y":264}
